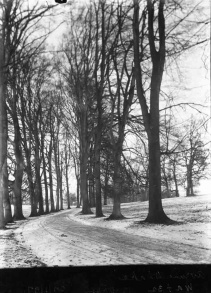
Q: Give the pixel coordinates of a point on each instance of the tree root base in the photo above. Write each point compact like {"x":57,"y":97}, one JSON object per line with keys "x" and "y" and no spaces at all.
{"x":115,"y":217}
{"x":8,"y":221}
{"x":20,"y":218}
{"x":33,"y":215}
{"x":100,"y":216}
{"x":159,"y":219}
{"x":90,"y":212}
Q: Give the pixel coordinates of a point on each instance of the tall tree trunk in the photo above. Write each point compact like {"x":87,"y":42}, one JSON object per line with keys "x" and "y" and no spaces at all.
{"x":156,"y":213}
{"x":90,"y":182}
{"x":175,"y":178}
{"x":18,"y":212}
{"x":27,"y":149}
{"x":77,"y":172}
{"x":99,"y":212}
{"x":50,"y":166}
{"x":166,"y":179}
{"x":91,"y":193}
{"x":83,"y":185}
{"x":99,"y":93}
{"x":42,"y":155}
{"x":38,"y":179}
{"x":60,"y":181}
{"x":56,"y":162}
{"x":67,"y":181}
{"x":81,"y":200}
{"x":191,"y":187}
{"x":106,"y":183}
{"x":2,"y":133}
{"x":57,"y":176}
{"x":84,"y":163}
{"x":46,"y":184}
{"x":188,"y":182}
{"x":151,"y":119}
{"x":33,"y":197}
{"x":57,"y":192}
{"x":7,"y":204}
{"x":116,"y":213}
{"x":78,"y":191}
{"x":50,"y":178}
{"x":189,"y":191}
{"x":176,"y":185}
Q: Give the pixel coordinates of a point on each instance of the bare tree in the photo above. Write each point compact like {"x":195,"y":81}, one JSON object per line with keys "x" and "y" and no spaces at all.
{"x":99,"y":87}
{"x":121,"y":87}
{"x":18,"y":21}
{"x":79,"y":77}
{"x":151,"y":118}
{"x":2,"y":133}
{"x":150,"y":35}
{"x":195,"y":156}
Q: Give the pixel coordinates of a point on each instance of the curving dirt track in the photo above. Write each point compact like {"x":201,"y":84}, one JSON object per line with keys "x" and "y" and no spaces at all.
{"x":57,"y":240}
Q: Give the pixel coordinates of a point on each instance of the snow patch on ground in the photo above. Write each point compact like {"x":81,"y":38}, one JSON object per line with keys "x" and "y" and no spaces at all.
{"x":29,"y":243}
{"x":192,"y":213}
{"x":13,"y":253}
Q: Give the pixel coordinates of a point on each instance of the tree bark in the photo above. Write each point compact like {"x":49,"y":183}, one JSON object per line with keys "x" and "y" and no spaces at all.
{"x":99,"y":212}
{"x":46,"y":184}
{"x":78,"y":191}
{"x":27,"y":151}
{"x":106,"y":183}
{"x":189,"y":181}
{"x":60,"y":184}
{"x":50,"y":165}
{"x":7,"y":205}
{"x":38,"y":177}
{"x":38,"y":158}
{"x":83,"y":185}
{"x":67,"y":181}
{"x":99,"y":96}
{"x":33,"y":199}
{"x":77,"y":172}
{"x":2,"y":134}
{"x":18,"y":212}
{"x":116,"y":213}
{"x":57,"y":176}
{"x":151,"y":119}
{"x":91,"y":193}
{"x":175,"y":178}
{"x":50,"y":178}
{"x":91,"y":181}
{"x":84,"y":162}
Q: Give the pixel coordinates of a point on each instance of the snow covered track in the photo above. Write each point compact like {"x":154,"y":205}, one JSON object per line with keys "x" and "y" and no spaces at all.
{"x":68,"y":238}
{"x":59,"y":240}
{"x":13,"y":253}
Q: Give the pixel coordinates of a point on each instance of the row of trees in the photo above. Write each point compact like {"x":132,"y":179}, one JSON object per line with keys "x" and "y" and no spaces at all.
{"x":114,"y":61}
{"x":77,"y":107}
{"x":23,"y":75}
